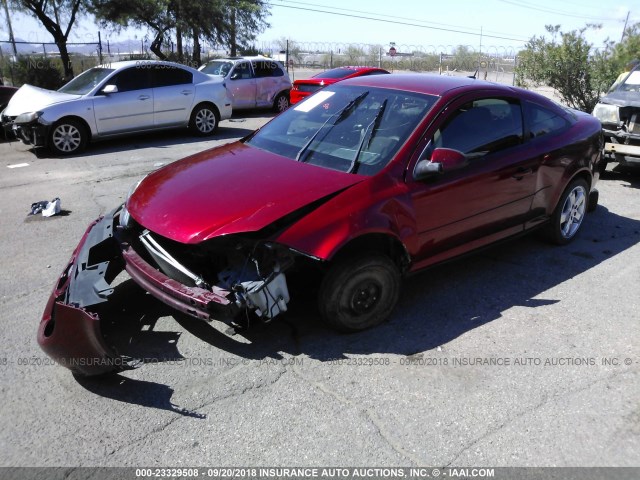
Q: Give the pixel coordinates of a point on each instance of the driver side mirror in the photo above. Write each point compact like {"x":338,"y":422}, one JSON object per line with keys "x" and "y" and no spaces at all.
{"x":442,"y":160}
{"x":109,"y":89}
{"x":235,"y":76}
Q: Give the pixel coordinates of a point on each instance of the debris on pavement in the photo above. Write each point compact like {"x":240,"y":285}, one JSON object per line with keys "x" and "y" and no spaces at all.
{"x":48,"y":209}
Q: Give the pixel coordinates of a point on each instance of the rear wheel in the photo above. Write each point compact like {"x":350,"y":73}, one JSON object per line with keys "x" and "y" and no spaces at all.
{"x":360,"y":292}
{"x":204,"y":120}
{"x":569,"y":214}
{"x":68,"y":136}
{"x":281,"y":103}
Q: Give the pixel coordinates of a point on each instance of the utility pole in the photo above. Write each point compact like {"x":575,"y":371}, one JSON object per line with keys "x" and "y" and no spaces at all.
{"x":11,"y":38}
{"x":624,"y":29}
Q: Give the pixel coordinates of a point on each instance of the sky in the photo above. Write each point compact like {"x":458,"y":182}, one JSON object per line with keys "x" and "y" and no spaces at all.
{"x":424,"y":23}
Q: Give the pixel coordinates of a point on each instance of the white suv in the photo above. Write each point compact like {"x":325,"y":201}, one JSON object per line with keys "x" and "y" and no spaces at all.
{"x":253,"y":82}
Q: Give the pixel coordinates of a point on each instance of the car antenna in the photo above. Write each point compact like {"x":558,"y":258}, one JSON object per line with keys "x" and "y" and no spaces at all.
{"x":475,"y":75}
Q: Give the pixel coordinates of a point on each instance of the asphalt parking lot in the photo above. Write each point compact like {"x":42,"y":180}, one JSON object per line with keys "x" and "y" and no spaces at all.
{"x":523,"y":355}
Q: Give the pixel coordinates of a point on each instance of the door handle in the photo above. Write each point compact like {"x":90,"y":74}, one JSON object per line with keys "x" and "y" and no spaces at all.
{"x":186,"y":92}
{"x":143,"y":97}
{"x":521,"y":172}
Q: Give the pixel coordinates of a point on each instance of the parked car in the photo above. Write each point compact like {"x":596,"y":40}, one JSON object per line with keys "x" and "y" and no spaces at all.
{"x":116,"y":99}
{"x":5,"y":95}
{"x":619,"y":112}
{"x":254,"y":82}
{"x":364,"y":182}
{"x":303,"y":88}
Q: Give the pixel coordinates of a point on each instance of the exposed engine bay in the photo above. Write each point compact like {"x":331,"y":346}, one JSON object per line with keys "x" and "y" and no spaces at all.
{"x":252,"y":272}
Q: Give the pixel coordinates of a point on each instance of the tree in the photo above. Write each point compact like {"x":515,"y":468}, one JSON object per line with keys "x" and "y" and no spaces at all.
{"x":569,"y":64}
{"x":295,"y":52}
{"x":234,"y":23}
{"x":58,"y":17}
{"x":465,"y":59}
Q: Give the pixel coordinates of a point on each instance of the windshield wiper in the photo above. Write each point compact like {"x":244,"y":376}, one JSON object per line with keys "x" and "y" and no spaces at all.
{"x":368,"y":136}
{"x":341,"y":114}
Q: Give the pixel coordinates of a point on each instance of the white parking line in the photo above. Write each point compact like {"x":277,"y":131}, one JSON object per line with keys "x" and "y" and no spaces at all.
{"x":18,"y":165}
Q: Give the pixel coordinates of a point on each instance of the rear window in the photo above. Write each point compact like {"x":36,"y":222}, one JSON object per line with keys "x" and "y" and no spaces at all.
{"x":335,"y":73}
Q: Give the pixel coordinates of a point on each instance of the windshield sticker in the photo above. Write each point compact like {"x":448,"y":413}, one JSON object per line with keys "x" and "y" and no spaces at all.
{"x":314,"y":101}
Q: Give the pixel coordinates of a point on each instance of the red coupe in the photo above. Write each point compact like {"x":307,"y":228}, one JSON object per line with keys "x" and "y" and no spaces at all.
{"x":367,"y":180}
{"x":303,"y":88}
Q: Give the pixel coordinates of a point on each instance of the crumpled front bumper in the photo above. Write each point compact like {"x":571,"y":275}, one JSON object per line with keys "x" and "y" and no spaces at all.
{"x":33,"y":133}
{"x":70,"y":330}
{"x":623,"y":146}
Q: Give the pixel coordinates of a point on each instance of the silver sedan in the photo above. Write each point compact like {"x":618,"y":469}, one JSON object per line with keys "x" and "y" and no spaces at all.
{"x":117,"y":99}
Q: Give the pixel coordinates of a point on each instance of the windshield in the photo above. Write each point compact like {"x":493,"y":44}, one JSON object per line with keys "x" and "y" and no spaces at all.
{"x":350,"y":129}
{"x":86,"y":81}
{"x":217,"y":67}
{"x":631,"y":83}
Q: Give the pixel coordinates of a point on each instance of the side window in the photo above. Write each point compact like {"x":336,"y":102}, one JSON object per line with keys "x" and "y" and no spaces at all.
{"x":480,"y":127}
{"x":242,"y":71}
{"x":166,"y":76}
{"x":265,"y":69}
{"x":542,"y":121}
{"x":133,"y":78}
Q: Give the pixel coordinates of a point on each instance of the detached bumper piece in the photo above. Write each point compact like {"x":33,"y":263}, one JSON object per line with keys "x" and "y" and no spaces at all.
{"x":70,"y":330}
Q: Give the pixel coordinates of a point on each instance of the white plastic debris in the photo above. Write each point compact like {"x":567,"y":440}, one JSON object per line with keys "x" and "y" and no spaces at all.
{"x":52,"y":208}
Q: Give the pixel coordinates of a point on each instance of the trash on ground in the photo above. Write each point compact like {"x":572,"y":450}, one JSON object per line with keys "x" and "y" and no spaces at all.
{"x":48,"y":209}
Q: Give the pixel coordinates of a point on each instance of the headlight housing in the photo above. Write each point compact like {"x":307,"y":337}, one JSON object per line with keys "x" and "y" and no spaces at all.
{"x":28,"y":117}
{"x":606,"y":113}
{"x":125,"y":217}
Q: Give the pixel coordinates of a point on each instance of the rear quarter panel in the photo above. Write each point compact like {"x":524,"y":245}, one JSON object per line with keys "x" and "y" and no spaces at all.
{"x":570,"y":154}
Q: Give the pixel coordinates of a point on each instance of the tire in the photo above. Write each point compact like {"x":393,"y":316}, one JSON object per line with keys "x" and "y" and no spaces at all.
{"x":281,"y":103}
{"x":204,"y":120}
{"x":359,"y":293}
{"x":68,"y":137}
{"x":569,"y":214}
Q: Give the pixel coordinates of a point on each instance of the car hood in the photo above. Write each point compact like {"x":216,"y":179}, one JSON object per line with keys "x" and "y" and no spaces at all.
{"x":230,"y":189}
{"x":31,"y":99}
{"x":622,"y":99}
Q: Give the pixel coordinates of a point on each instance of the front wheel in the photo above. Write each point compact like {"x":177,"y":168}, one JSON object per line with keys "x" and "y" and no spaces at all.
{"x":359,"y":293}
{"x":569,"y":214}
{"x":204,"y":120}
{"x":281,"y":103}
{"x":68,"y":136}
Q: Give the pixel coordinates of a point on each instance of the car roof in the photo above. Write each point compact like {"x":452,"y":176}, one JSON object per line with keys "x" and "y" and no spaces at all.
{"x":141,"y":63}
{"x":250,"y":57}
{"x":427,"y":83}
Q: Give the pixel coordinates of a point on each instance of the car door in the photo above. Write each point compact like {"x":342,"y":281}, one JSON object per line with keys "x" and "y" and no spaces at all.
{"x":242,"y":85}
{"x":269,"y":81}
{"x":490,"y":196}
{"x":173,"y":95}
{"x":130,"y":108}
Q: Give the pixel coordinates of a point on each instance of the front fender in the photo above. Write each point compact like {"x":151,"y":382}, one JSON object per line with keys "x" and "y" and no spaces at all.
{"x":82,"y":109}
{"x":377,"y":206}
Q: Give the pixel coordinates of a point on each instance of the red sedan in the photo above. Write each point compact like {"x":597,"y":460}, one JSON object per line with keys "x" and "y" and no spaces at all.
{"x":303,"y":88}
{"x":364,"y":182}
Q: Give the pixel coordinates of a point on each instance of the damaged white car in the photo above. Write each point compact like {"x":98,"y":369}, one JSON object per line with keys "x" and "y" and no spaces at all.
{"x":117,"y":99}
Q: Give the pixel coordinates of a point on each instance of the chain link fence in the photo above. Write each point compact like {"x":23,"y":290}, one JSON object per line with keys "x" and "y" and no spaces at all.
{"x":37,"y":60}
{"x":494,"y":63}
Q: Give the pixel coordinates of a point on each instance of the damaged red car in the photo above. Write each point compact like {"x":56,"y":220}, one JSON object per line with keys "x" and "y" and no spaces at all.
{"x":366,"y":181}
